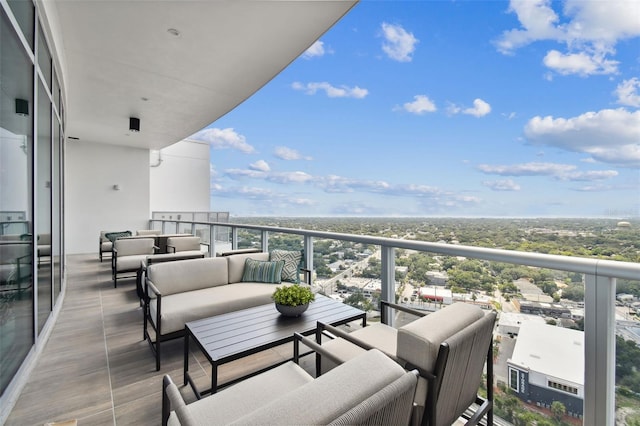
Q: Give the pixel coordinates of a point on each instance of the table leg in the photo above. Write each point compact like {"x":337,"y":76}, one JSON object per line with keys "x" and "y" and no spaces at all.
{"x":186,"y":355}
{"x":214,"y":377}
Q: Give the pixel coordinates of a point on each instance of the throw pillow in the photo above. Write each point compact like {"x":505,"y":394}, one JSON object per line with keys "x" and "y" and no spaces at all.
{"x":292,"y":262}
{"x":113,"y":236}
{"x":259,"y":271}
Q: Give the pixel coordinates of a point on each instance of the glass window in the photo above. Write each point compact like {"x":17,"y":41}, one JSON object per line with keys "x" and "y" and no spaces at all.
{"x":43,"y":213}
{"x":513,"y":379}
{"x":16,"y":245}
{"x":44,"y":57}
{"x":24,"y":13}
{"x":56,"y":92}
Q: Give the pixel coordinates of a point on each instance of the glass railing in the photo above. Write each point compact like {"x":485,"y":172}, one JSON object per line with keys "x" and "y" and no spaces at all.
{"x":374,"y":259}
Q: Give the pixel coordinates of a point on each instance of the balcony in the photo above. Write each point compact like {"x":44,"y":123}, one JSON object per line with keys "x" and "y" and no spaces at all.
{"x":96,"y":368}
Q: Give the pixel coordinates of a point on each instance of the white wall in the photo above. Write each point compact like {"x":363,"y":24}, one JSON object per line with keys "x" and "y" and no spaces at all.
{"x":92,"y":205}
{"x":181,"y":180}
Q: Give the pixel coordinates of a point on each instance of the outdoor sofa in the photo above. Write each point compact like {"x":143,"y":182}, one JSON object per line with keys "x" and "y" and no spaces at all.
{"x":189,"y":290}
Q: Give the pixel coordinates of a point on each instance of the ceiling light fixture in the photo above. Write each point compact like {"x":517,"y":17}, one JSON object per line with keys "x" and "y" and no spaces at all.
{"x":173,"y":32}
{"x":134,"y":124}
{"x":22,"y":107}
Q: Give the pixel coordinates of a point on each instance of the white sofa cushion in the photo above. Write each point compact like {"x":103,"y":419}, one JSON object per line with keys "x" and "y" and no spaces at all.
{"x":187,"y":275}
{"x":129,"y":263}
{"x":180,"y":308}
{"x":134,"y":246}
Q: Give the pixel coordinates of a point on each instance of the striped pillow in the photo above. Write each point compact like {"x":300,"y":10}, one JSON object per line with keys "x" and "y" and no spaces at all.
{"x":258,"y":271}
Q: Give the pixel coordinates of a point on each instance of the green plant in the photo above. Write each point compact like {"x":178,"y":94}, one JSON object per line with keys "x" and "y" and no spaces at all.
{"x":293,"y":295}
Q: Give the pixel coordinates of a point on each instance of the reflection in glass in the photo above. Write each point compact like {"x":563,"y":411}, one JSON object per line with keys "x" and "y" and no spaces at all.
{"x":16,"y":245}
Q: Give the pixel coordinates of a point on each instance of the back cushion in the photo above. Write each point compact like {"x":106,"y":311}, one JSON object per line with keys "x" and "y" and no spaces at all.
{"x":133,"y":246}
{"x":236,"y":264}
{"x":419,"y":341}
{"x":186,"y":275}
{"x":184,"y":243}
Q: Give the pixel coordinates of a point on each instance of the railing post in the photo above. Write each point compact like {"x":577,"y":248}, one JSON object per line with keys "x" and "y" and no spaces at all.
{"x":212,"y":240}
{"x":308,"y":256}
{"x":234,"y":238}
{"x":265,"y":241}
{"x":388,"y":277}
{"x":600,"y":351}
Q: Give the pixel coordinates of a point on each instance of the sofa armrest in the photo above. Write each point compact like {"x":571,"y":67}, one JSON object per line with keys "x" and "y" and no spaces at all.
{"x":171,"y":249}
{"x":149,"y":285}
{"x":315,"y":347}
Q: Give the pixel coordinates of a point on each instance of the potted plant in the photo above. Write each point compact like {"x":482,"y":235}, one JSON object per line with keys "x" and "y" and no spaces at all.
{"x":293,"y":300}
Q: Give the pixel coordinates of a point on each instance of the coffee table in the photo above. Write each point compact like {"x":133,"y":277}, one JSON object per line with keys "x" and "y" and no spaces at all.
{"x":228,"y":337}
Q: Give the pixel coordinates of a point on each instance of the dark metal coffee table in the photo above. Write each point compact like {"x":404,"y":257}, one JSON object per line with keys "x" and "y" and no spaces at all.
{"x":228,"y":337}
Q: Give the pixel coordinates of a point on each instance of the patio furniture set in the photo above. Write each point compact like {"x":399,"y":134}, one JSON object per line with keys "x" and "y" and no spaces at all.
{"x":428,"y":371}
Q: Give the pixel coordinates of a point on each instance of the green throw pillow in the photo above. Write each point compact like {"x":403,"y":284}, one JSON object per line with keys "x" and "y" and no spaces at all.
{"x":258,"y":271}
{"x":292,"y":263}
{"x":113,"y":236}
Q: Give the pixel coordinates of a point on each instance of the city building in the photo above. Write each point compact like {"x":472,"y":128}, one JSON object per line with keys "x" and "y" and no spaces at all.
{"x":547,"y":365}
{"x":509,"y":323}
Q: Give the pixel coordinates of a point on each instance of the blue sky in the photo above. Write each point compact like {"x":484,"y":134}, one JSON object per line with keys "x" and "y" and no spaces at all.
{"x":526,"y":108}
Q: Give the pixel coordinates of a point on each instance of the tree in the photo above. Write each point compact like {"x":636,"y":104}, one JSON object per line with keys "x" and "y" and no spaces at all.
{"x":558,"y":410}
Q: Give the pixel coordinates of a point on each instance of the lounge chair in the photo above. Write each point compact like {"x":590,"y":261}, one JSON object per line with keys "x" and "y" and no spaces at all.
{"x":350,"y":394}
{"x":448,"y":347}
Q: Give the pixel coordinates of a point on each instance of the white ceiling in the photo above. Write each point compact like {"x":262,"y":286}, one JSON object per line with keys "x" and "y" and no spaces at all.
{"x":120,"y":61}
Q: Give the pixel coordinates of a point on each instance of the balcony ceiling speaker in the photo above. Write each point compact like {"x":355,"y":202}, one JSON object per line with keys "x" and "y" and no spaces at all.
{"x":134,"y":124}
{"x":22,"y":107}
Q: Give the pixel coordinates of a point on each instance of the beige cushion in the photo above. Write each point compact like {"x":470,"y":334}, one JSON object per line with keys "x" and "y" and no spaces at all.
{"x":184,"y":243}
{"x":180,"y":308}
{"x":330,"y":395}
{"x":419,"y":341}
{"x":134,"y":246}
{"x":231,"y":403}
{"x":106,"y":245}
{"x":236,"y":264}
{"x":148,"y":232}
{"x":129,"y":263}
{"x":187,"y":275}
{"x":377,"y":335}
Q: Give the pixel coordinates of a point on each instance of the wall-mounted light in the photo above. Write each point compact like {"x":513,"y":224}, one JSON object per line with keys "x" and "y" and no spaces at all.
{"x":22,"y":107}
{"x":134,"y":124}
{"x":116,"y":187}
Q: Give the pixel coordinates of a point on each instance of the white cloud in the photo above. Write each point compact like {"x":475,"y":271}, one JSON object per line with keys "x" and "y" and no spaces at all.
{"x":285,"y":153}
{"x":528,"y":169}
{"x":260,"y":165}
{"x":244,"y":173}
{"x":566,"y":172}
{"x":398,"y":44}
{"x":289,"y":177}
{"x":224,"y":139}
{"x":502,"y":185}
{"x":421,"y":105}
{"x":628,"y":92}
{"x":315,"y":50}
{"x":579,"y":63}
{"x":609,"y":135}
{"x":589,"y":29}
{"x":331,"y":91}
{"x":480,"y":108}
